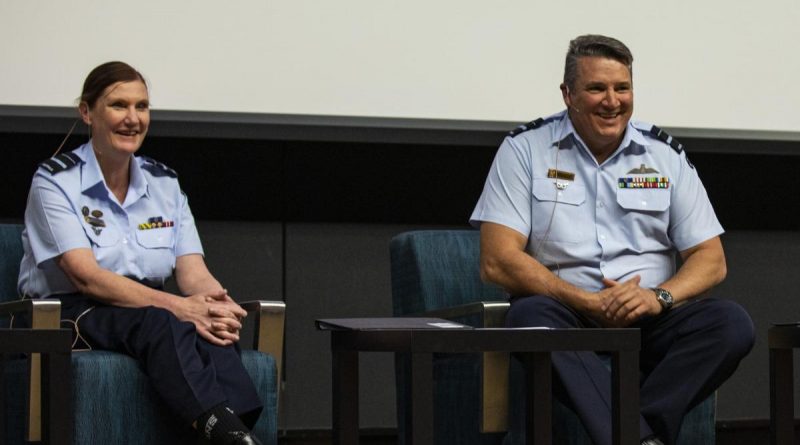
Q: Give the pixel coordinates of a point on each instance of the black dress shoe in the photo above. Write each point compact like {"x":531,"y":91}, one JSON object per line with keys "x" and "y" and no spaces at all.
{"x":247,"y":439}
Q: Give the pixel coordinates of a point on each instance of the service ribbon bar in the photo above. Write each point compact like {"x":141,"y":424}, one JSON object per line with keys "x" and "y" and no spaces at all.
{"x":155,"y":222}
{"x":642,"y":182}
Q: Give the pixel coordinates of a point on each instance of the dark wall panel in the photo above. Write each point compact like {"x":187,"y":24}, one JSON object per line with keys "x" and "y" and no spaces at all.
{"x":246,"y":257}
{"x":750,"y":191}
{"x":21,"y":154}
{"x":339,"y":270}
{"x":386,"y":183}
{"x":226,"y":179}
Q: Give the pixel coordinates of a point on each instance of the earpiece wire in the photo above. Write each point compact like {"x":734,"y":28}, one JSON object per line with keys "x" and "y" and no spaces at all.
{"x":539,"y":255}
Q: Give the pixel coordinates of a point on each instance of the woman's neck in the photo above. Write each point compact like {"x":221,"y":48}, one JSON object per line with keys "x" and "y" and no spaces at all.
{"x":116,"y":172}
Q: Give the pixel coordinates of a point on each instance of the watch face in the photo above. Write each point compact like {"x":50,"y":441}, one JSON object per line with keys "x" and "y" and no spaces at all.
{"x":664,"y":297}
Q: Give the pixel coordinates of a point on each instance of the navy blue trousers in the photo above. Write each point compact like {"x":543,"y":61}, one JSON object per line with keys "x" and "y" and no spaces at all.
{"x":687,"y":353}
{"x":190,"y":374}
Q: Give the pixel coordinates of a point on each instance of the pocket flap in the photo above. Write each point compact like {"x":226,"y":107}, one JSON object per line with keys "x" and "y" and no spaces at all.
{"x":569,"y":193}
{"x":101,"y":236}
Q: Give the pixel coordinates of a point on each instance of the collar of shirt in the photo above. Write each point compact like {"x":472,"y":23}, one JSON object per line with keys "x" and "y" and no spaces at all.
{"x":92,"y":176}
{"x":564,"y":129}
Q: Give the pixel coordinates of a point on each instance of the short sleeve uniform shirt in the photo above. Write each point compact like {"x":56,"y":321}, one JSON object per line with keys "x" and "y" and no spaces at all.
{"x":70,"y":207}
{"x":586,"y":221}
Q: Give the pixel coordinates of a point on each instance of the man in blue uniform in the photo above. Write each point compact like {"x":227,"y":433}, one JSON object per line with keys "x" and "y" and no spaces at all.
{"x":581,"y":218}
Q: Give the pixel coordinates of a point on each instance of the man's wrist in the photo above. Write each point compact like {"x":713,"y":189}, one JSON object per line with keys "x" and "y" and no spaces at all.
{"x":664,"y":298}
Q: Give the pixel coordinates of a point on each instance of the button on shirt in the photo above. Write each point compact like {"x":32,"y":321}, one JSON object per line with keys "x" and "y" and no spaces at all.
{"x":71,"y":209}
{"x":615,"y":220}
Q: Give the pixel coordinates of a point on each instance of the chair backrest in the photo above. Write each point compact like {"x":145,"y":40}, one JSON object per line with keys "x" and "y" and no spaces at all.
{"x":10,"y":257}
{"x":434,"y":269}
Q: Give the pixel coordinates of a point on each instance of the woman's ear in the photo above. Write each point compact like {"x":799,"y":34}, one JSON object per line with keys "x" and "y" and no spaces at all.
{"x":83,"y":108}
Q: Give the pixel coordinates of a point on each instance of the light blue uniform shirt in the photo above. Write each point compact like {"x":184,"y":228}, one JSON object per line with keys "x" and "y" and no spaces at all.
{"x":73,"y":208}
{"x":589,"y":227}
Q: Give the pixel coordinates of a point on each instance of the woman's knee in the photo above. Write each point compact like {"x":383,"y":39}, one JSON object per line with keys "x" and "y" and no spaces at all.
{"x":156,"y":315}
{"x":155,"y":319}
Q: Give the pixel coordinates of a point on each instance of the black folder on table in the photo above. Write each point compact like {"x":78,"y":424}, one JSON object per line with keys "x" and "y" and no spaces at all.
{"x":369,"y":324}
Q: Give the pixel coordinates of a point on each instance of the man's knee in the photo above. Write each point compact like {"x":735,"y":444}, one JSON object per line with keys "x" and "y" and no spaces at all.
{"x":537,"y":310}
{"x":733,"y":327}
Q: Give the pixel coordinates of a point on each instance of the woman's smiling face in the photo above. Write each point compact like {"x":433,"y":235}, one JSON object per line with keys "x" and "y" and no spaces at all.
{"x":119,"y":118}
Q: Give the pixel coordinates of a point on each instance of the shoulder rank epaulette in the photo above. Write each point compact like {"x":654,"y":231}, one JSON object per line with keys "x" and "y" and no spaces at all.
{"x":666,"y":138}
{"x":60,"y":162}
{"x":525,"y":127}
{"x":157,"y":168}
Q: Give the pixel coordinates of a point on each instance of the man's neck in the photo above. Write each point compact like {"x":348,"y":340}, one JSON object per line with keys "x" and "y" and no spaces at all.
{"x":604,"y":152}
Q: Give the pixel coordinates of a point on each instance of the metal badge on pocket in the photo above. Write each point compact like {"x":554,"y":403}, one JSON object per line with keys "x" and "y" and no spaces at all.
{"x":94,"y":218}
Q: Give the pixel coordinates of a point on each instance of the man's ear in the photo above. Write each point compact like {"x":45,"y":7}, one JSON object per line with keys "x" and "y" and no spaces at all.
{"x":565,"y":95}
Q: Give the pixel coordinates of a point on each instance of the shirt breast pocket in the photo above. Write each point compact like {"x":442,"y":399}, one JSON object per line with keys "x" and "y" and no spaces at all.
{"x":557,"y":212}
{"x":644,"y":200}
{"x":645,"y":216}
{"x":102,"y":236}
{"x":105,"y":245}
{"x":157,"y":257}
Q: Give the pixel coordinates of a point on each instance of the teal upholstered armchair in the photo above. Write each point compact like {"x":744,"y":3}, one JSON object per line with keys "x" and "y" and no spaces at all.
{"x":112,"y":400}
{"x":436,"y":273}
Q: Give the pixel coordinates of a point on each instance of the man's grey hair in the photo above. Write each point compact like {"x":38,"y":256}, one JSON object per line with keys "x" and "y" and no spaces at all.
{"x":594,"y":45}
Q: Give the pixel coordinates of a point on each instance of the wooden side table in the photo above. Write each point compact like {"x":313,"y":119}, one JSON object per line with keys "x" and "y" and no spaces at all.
{"x":783,"y":339}
{"x":55,"y":346}
{"x":418,"y":344}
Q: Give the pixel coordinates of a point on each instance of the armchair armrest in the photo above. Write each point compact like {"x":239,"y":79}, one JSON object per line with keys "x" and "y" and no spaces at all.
{"x":492,"y":313}
{"x":269,"y":319}
{"x":43,"y":314}
{"x":494,"y":365}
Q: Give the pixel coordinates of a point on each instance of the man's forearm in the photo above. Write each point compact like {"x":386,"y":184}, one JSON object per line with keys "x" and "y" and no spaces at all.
{"x":519,"y":274}
{"x":505,"y":262}
{"x":703,"y":268}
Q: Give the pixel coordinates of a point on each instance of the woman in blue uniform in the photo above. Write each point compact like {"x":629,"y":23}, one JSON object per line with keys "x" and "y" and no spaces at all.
{"x":104,"y":229}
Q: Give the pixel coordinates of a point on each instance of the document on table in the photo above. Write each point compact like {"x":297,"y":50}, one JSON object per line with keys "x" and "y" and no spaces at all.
{"x":387,"y":323}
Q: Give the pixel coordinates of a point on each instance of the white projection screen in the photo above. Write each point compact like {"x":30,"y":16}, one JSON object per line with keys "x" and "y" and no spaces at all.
{"x":708,"y":64}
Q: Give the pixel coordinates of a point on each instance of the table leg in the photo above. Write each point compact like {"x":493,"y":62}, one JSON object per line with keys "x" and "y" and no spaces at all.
{"x":2,"y":396}
{"x":57,"y":406}
{"x":539,"y":398}
{"x":345,"y":397}
{"x":421,"y":399}
{"x":58,"y":384}
{"x":625,"y":397}
{"x":781,"y":396}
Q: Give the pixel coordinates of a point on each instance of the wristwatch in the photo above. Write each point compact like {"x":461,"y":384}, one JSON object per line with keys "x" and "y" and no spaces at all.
{"x":664,"y":297}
